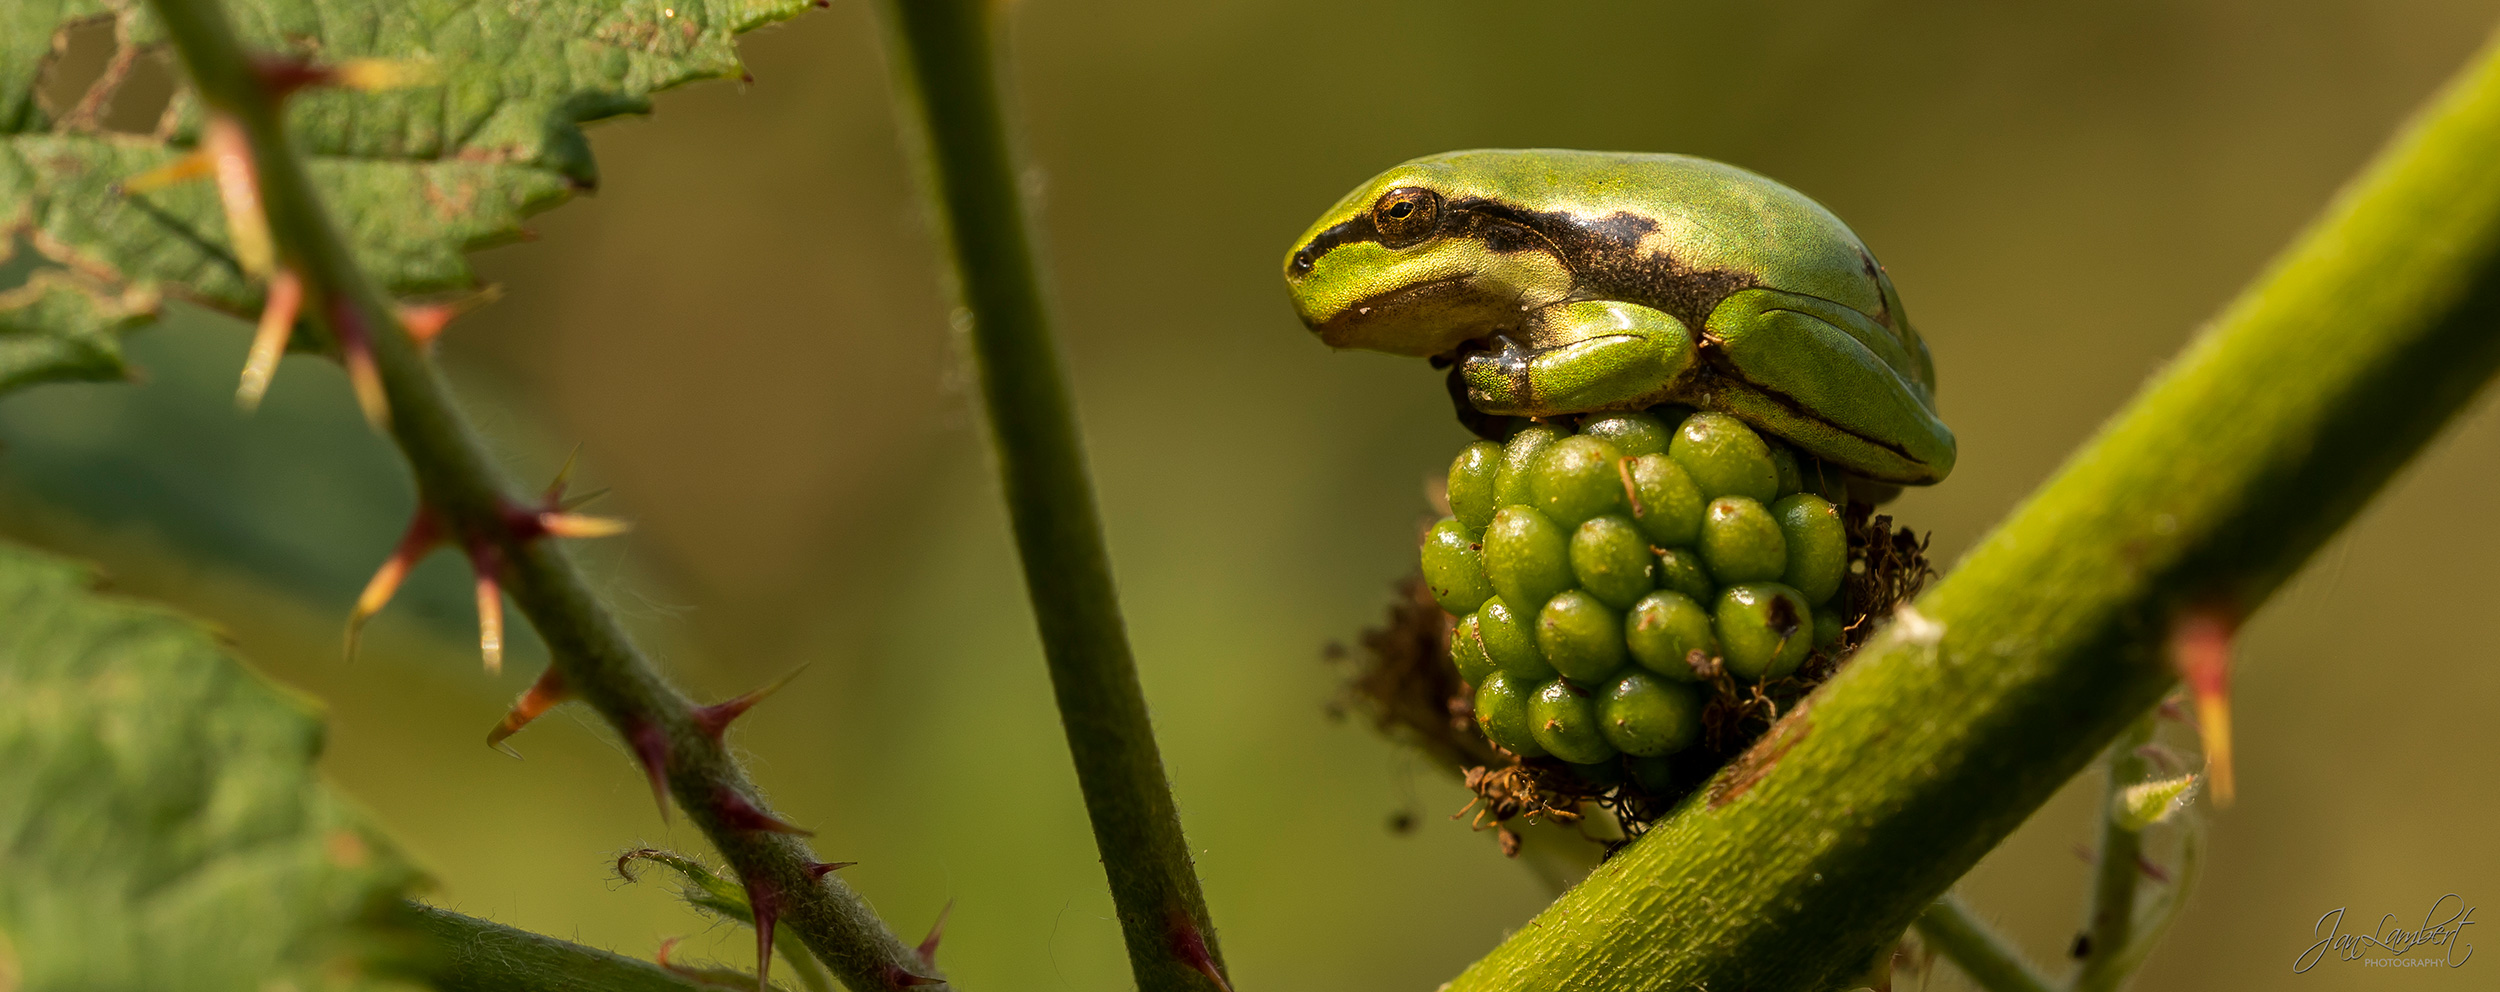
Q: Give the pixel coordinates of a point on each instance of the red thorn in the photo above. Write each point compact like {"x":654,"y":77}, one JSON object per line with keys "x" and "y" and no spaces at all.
{"x":766,"y":902}
{"x":284,"y":74}
{"x":355,"y":341}
{"x":561,"y":524}
{"x":423,"y":533}
{"x":737,"y":812}
{"x":820,"y":869}
{"x":2200,"y":646}
{"x":896,"y":977}
{"x":488,"y":561}
{"x":1189,"y":944}
{"x":424,"y":322}
{"x":929,"y":944}
{"x":661,"y":958}
{"x":277,"y":324}
{"x":650,"y":744}
{"x":713,"y":720}
{"x":542,"y":696}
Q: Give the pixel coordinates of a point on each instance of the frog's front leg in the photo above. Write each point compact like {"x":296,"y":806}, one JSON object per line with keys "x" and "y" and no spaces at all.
{"x":1589,"y":355}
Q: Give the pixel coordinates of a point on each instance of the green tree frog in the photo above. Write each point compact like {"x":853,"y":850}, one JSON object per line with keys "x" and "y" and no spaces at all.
{"x":1561,"y":282}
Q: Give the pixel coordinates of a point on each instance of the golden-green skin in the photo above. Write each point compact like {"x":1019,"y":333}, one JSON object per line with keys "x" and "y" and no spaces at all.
{"x":1566,"y":282}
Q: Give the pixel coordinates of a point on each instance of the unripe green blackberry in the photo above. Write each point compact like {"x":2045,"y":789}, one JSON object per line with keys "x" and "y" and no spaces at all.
{"x":1527,"y":557}
{"x":1510,"y":642}
{"x":1818,"y":546}
{"x":1505,"y":712}
{"x":1510,"y":482}
{"x":1564,"y":722}
{"x":1644,"y":715}
{"x":1467,"y":651}
{"x":1725,"y":457}
{"x":1764,"y":630}
{"x":1472,"y":475}
{"x":1666,"y":630}
{"x":1828,"y":627}
{"x":1454,"y":568}
{"x":1792,"y":477}
{"x":1655,"y":776}
{"x":1577,"y":479}
{"x":1665,"y":501}
{"x":1739,"y":541}
{"x":1681,"y":569}
{"x":1580,"y":637}
{"x":1610,"y":556}
{"x":1633,"y":434}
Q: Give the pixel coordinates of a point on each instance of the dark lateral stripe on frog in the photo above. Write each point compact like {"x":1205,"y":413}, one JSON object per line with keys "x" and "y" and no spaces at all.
{"x":1603,"y":253}
{"x":1717,"y":364}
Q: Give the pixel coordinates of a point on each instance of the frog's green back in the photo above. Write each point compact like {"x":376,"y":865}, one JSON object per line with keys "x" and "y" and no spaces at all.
{"x":1687,"y":217}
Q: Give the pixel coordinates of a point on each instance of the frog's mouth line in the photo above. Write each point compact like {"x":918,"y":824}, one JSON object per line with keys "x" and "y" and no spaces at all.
{"x":1339,"y":330}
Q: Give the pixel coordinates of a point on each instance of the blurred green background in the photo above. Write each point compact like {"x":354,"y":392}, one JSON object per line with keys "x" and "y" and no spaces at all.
{"x":745,"y":334}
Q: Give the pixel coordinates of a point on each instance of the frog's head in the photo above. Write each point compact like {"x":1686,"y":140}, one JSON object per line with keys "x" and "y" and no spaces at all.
{"x":1419,"y":260}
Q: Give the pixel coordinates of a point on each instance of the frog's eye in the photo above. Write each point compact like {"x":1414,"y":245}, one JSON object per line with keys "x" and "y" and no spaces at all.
{"x":1406,"y":215}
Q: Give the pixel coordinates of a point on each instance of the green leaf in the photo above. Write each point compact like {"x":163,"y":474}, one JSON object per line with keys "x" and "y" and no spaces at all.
{"x":416,"y":177}
{"x":161,"y":826}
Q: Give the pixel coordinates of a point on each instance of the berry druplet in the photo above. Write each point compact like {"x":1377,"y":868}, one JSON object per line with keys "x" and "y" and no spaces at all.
{"x":1764,"y":630}
{"x":1564,"y":721}
{"x":1510,"y":642}
{"x":1633,"y":434}
{"x":1580,"y":637}
{"x":1725,"y":457}
{"x":1739,"y":541}
{"x":1827,"y":628}
{"x":1505,"y":711}
{"x":1681,"y":569}
{"x":1467,"y":651}
{"x":1472,"y":475}
{"x":1610,"y":556}
{"x":1667,"y":632}
{"x":1454,"y":568}
{"x":1528,"y":557}
{"x":1644,"y":715}
{"x":1664,"y":500}
{"x":1576,"y":479}
{"x":1792,"y":476}
{"x":1510,"y":481}
{"x":1818,"y":546}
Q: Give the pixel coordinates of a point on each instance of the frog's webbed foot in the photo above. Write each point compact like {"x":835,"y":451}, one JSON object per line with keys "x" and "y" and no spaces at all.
{"x":1602,"y":354}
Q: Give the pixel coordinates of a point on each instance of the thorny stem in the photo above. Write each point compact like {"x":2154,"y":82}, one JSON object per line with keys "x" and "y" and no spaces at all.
{"x":1859,"y":808}
{"x":1991,"y":961}
{"x":2112,"y":924}
{"x":467,"y":954}
{"x":947,"y":69}
{"x":458,"y":480}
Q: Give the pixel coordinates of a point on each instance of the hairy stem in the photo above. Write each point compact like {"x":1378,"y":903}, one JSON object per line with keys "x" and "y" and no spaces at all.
{"x":467,"y":954}
{"x":2228,"y":470}
{"x":461,"y":483}
{"x":2111,"y":927}
{"x":947,"y":66}
{"x":1992,"y":962}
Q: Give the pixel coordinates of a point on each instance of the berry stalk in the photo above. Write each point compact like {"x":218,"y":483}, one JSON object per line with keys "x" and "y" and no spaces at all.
{"x":1966,"y":713}
{"x":947,"y":70}
{"x":460,"y":484}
